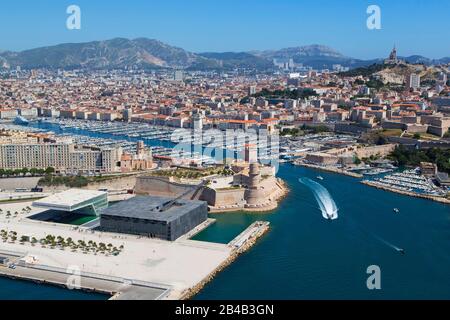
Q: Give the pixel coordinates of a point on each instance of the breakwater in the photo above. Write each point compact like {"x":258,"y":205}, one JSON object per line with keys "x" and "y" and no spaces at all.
{"x":407,"y":193}
{"x":241,"y":244}
{"x":329,"y":169}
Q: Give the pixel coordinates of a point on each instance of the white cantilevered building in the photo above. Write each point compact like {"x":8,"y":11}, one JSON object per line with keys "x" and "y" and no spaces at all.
{"x":80,"y":201}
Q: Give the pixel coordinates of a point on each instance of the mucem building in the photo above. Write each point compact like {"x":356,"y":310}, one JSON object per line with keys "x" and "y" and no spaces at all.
{"x":155,"y":217}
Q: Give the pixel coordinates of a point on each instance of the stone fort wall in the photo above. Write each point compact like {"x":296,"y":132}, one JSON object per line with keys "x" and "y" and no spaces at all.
{"x":162,"y":187}
{"x":224,"y":197}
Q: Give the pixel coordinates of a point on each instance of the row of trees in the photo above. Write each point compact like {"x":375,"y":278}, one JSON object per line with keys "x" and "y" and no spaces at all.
{"x":287,"y":94}
{"x":305,"y":129}
{"x":69,"y":181}
{"x":62,"y":243}
{"x":10,"y":214}
{"x":26,"y":171}
{"x":192,"y":174}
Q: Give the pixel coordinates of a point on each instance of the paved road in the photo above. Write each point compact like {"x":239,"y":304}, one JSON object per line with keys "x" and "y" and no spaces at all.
{"x":11,"y":184}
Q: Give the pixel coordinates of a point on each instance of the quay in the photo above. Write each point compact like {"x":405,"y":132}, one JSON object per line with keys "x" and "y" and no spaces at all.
{"x":406,"y":193}
{"x":239,"y":245}
{"x":328,"y":169}
{"x":115,"y":287}
{"x":144,"y":278}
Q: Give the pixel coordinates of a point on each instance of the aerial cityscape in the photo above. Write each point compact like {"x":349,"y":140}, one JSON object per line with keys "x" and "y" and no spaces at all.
{"x":134,"y":169}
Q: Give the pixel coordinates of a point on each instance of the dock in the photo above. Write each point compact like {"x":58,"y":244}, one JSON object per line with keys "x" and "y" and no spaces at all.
{"x":239,"y":245}
{"x":15,"y":265}
{"x":146,"y":269}
{"x":114,"y":287}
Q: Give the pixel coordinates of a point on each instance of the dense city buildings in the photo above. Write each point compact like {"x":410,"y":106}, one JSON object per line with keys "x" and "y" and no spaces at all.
{"x":20,"y":150}
{"x":127,"y":166}
{"x":399,"y":100}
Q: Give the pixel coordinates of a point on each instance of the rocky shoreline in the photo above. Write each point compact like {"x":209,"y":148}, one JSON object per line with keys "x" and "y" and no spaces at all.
{"x":407,"y":193}
{"x":192,"y":292}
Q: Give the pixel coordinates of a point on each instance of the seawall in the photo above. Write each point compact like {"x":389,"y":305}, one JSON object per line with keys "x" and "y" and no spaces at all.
{"x":242,"y":243}
{"x":329,"y":169}
{"x":407,"y":193}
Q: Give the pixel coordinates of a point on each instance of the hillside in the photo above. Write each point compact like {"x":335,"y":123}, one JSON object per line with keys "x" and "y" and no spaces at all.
{"x":230,"y":60}
{"x":120,"y":53}
{"x":315,"y":56}
{"x":396,"y":74}
{"x":110,"y":54}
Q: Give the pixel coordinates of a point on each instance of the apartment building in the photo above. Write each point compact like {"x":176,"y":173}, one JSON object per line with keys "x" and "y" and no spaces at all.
{"x":64,"y":157}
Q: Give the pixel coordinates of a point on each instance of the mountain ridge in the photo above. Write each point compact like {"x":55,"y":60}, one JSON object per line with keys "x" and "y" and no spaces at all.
{"x":122,"y":53}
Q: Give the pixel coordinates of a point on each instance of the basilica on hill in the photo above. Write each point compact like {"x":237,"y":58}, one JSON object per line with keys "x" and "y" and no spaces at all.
{"x":393,"y":58}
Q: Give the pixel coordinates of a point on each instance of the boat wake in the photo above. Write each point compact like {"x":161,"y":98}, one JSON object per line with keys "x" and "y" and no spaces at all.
{"x":323,"y":198}
{"x":398,"y":249}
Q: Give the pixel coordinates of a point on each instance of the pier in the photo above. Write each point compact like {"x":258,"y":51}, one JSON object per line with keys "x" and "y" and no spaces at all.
{"x":20,"y":265}
{"x":239,"y":245}
{"x":145,"y":269}
{"x":329,"y":169}
{"x":114,"y":287}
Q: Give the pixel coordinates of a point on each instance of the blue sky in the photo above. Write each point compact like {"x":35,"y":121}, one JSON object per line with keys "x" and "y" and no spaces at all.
{"x":415,"y":26}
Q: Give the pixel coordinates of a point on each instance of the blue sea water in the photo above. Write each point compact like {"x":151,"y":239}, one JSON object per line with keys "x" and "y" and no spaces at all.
{"x":24,"y":290}
{"x":305,"y":256}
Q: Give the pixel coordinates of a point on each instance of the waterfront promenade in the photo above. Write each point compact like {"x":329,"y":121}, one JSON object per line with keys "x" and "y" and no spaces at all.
{"x":146,"y":268}
{"x":115,"y":288}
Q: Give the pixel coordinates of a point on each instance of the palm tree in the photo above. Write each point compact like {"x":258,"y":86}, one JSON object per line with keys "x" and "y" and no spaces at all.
{"x":4,"y":235}
{"x":49,"y":170}
{"x":43,"y":242}
{"x":25,"y":171}
{"x":102,"y":247}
